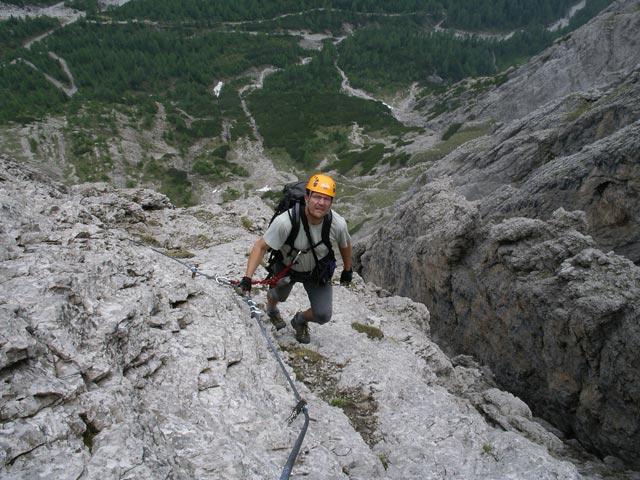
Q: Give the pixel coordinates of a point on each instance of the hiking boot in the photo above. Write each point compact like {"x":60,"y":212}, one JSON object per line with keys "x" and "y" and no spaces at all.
{"x":276,"y":320}
{"x":302,"y":330}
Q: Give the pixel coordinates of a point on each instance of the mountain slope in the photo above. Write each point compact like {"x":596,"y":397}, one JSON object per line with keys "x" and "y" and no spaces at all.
{"x":593,"y":57}
{"x":118,"y":363}
{"x":524,"y":242}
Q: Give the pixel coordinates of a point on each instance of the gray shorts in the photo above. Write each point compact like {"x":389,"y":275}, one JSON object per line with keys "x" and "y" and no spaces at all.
{"x":320,"y":297}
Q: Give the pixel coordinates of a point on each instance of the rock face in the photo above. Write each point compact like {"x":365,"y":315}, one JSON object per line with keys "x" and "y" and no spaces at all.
{"x":554,"y":316}
{"x":595,"y":56}
{"x":522,"y":243}
{"x":580,"y":153}
{"x":116,"y":362}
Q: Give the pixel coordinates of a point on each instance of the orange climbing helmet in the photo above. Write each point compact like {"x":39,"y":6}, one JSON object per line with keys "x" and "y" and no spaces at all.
{"x":321,"y":183}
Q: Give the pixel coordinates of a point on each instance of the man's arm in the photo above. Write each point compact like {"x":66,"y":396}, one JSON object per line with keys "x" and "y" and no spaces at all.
{"x":258,"y":252}
{"x":347,"y":272}
{"x":346,"y":255}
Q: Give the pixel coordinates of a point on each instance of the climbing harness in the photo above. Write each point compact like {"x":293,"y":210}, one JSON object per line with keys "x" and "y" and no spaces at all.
{"x":301,"y":405}
{"x":272,"y":281}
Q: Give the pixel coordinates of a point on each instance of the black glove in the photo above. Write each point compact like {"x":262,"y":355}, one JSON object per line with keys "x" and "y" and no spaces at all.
{"x":346,"y":276}
{"x":244,"y":286}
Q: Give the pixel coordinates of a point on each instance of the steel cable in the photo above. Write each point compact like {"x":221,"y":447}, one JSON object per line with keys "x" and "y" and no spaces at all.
{"x":256,"y":313}
{"x":301,"y":406}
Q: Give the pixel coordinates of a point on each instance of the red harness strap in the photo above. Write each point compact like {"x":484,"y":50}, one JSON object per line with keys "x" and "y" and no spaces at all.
{"x":268,"y":281}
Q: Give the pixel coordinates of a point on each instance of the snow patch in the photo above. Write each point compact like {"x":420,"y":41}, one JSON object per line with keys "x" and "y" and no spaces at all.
{"x":217,"y":89}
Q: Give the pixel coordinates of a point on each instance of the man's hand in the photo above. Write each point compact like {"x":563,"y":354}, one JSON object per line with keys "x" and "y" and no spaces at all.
{"x":345,"y":277}
{"x":244,"y":286}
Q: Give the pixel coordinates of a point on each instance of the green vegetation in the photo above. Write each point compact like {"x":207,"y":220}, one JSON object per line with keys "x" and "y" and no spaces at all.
{"x":230,"y":194}
{"x":390,"y":51}
{"x":504,"y":15}
{"x":90,"y":7}
{"x":174,"y":183}
{"x":341,"y":402}
{"x":246,"y":223}
{"x":89,"y":433}
{"x":496,"y":15}
{"x":88,"y":134}
{"x":182,"y":66}
{"x":392,"y":54}
{"x":149,"y":240}
{"x":304,"y":360}
{"x":488,"y":449}
{"x":27,"y":95}
{"x":450,"y":132}
{"x":462,"y":135}
{"x":366,"y":159}
{"x":372,"y":332}
{"x":24,"y":3}
{"x":582,"y":106}
{"x":215,"y":167}
{"x":386,"y":57}
{"x":15,"y":32}
{"x":179,"y":253}
{"x":301,"y":111}
{"x":172,"y":60}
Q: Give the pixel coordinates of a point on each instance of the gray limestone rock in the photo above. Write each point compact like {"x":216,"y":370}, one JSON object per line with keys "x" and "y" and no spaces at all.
{"x":117,"y":362}
{"x":553,"y":316}
{"x":592,"y":57}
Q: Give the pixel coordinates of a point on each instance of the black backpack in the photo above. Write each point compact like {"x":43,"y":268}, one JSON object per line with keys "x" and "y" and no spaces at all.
{"x":292,"y":201}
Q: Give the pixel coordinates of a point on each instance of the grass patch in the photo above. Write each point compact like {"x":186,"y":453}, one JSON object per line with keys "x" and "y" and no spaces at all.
{"x":306,"y":354}
{"x":246,"y":223}
{"x":366,"y":159}
{"x":451,"y":131}
{"x":89,"y":433}
{"x":88,"y":136}
{"x":582,"y":108}
{"x":230,"y":194}
{"x":442,"y":107}
{"x":307,"y":364}
{"x":149,"y":240}
{"x":179,"y":253}
{"x":341,"y":402}
{"x":372,"y":332}
{"x":272,"y":197}
{"x":321,"y":375}
{"x":398,"y":160}
{"x":213,"y":168}
{"x":455,"y":140}
{"x":174,"y":183}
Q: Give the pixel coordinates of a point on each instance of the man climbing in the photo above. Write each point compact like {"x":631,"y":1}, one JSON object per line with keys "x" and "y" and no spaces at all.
{"x":311,"y":257}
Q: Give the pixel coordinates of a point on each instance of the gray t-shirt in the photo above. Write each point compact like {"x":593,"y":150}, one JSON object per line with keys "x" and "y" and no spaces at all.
{"x":279,"y":230}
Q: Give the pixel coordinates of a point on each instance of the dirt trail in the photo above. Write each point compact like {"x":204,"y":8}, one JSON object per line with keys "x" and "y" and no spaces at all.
{"x":66,"y":16}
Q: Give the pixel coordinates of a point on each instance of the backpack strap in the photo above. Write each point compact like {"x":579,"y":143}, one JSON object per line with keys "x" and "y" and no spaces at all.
{"x":294,"y":216}
{"x":326,"y":230}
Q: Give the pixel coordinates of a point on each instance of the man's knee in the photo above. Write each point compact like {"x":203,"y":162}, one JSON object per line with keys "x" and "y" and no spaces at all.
{"x":278,"y":294}
{"x":321,"y":317}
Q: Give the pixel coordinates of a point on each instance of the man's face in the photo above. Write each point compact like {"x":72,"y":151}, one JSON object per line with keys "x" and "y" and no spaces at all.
{"x":319,"y":204}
